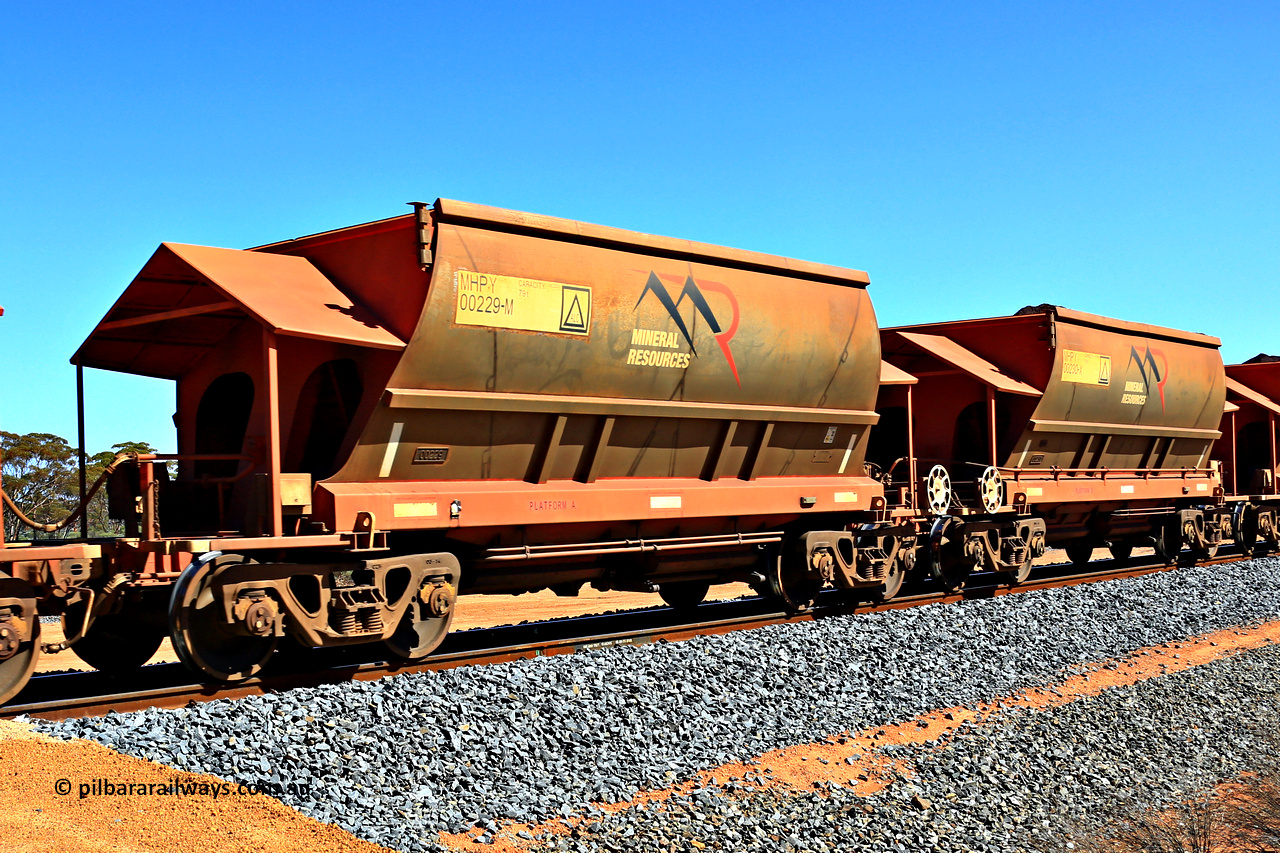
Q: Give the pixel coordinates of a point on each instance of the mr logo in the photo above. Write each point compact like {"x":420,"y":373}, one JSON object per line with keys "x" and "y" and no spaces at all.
{"x":692,"y":291}
{"x":1150,"y":371}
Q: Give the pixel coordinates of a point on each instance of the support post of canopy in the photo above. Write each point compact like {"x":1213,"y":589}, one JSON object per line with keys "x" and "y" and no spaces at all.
{"x":271,"y":372}
{"x":84,"y":510}
{"x":991,"y":424}
{"x":911,"y":449}
{"x":1233,"y":458}
{"x":1271,"y":434}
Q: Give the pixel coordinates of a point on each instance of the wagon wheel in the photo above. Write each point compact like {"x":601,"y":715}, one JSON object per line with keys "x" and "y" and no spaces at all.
{"x":937,"y":489}
{"x":1264,"y":525}
{"x":426,"y":621}
{"x":1079,"y":551}
{"x":201,"y":635}
{"x":295,"y":655}
{"x":1204,"y":550}
{"x":899,"y":567}
{"x":1120,"y":551}
{"x":1168,"y":543}
{"x":684,"y":595}
{"x":116,"y":643}
{"x":1019,"y":573}
{"x":789,"y":579}
{"x":947,"y":562}
{"x":1244,"y":522}
{"x":991,"y":489}
{"x":16,"y":669}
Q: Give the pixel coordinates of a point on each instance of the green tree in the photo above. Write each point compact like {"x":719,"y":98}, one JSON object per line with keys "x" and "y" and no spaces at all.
{"x":41,"y":474}
{"x":101,"y":525}
{"x":39,"y":471}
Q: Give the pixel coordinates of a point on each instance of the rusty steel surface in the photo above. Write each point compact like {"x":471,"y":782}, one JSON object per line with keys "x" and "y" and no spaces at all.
{"x":202,"y":291}
{"x":890,"y":375}
{"x":1242,"y":390}
{"x":487,"y":646}
{"x":1125,"y":397}
{"x":619,"y":386}
{"x":542,"y":403}
{"x":1262,"y":377}
{"x":1173,"y":387}
{"x":957,"y":356}
{"x":543,"y":353}
{"x":601,"y":235}
{"x":1248,"y":450}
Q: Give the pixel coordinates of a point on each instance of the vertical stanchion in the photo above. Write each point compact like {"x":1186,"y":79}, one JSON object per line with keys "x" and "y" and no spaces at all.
{"x":84,"y":510}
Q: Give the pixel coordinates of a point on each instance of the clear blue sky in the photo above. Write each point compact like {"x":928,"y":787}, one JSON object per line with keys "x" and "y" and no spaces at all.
{"x":974,"y":158}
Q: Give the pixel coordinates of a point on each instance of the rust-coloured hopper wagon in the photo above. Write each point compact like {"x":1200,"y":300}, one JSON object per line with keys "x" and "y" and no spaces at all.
{"x":1247,"y":452}
{"x":1100,"y":428}
{"x":465,"y":399}
{"x":374,"y":420}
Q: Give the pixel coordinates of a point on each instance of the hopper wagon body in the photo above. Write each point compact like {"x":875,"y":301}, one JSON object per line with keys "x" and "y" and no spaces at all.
{"x":375,"y":420}
{"x":526,"y":391}
{"x":1100,"y":428}
{"x":1247,"y":452}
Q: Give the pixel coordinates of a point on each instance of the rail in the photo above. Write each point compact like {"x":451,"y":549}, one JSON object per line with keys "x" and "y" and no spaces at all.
{"x":74,"y":694}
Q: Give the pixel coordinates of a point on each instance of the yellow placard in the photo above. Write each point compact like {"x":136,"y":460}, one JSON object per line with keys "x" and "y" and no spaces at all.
{"x":1087,"y":368}
{"x":525,"y":304}
{"x":427,"y":509}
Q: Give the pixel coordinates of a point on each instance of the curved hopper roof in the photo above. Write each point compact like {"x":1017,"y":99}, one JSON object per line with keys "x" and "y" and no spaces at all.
{"x":187,"y":298}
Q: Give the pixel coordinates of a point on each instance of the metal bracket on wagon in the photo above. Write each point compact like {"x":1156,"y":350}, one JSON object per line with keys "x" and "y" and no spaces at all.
{"x":365,"y":535}
{"x":832,"y":554}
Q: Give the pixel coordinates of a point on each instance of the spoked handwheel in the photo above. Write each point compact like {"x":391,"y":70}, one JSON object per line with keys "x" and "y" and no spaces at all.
{"x":991,"y":489}
{"x":789,"y":579}
{"x":684,"y":595}
{"x":426,"y":622}
{"x":198,"y":626}
{"x":17,"y":657}
{"x":116,"y":643}
{"x":948,"y":564}
{"x":937,"y":489}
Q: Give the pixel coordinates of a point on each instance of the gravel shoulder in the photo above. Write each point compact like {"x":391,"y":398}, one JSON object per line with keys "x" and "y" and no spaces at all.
{"x":133,"y":805}
{"x":1032,"y":781}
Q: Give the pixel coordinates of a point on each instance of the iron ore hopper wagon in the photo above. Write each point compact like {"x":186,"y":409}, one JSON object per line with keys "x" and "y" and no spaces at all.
{"x":1056,"y":427}
{"x":374,"y":420}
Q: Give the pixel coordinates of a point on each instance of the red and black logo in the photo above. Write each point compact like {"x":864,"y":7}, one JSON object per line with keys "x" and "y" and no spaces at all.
{"x":1151,"y":372}
{"x":694,"y":293}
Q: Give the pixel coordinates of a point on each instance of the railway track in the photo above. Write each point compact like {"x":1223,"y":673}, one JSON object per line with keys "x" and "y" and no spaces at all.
{"x":55,"y":696}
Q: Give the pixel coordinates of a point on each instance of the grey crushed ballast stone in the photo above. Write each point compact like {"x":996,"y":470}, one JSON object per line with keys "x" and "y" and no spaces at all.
{"x":398,"y":760}
{"x":1031,"y":780}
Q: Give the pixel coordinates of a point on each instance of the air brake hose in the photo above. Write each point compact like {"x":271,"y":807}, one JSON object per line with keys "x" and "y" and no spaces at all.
{"x":58,"y":525}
